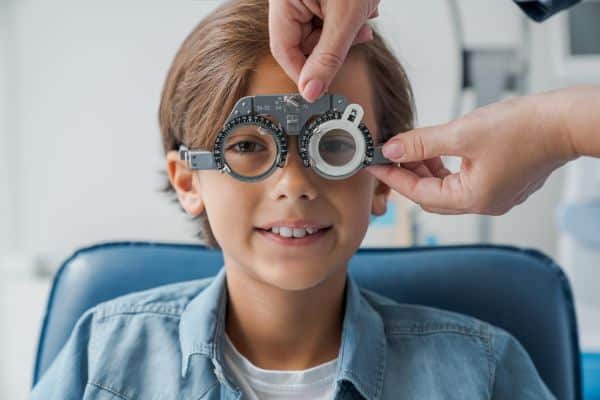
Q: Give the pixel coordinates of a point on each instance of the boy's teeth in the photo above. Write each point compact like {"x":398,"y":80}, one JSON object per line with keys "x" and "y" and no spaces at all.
{"x":295,"y":232}
{"x":285,"y":232}
{"x":299,"y":232}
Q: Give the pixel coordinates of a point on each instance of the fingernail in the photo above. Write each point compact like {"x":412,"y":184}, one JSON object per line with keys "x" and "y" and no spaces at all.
{"x":313,"y":90}
{"x":393,"y":150}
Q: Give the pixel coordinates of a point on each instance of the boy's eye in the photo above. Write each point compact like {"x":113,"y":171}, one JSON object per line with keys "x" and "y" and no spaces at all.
{"x":337,"y":148}
{"x":246,"y":147}
{"x":336,"y":145}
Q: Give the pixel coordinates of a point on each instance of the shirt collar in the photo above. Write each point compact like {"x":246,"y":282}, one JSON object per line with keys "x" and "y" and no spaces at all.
{"x":202,"y":320}
{"x":362,"y":350}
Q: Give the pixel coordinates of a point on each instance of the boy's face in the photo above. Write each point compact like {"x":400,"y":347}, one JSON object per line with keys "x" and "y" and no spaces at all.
{"x":236,"y":209}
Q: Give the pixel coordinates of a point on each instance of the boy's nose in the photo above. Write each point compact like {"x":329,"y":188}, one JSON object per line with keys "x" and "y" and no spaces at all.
{"x":294,"y":180}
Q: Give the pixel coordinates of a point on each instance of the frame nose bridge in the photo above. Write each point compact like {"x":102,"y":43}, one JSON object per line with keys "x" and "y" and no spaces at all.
{"x":293,"y":151}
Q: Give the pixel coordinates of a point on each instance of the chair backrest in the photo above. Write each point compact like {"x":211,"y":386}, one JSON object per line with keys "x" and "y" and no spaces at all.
{"x":519,"y":290}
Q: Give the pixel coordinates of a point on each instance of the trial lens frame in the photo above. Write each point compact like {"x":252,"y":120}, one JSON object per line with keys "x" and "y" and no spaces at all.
{"x":300,"y":118}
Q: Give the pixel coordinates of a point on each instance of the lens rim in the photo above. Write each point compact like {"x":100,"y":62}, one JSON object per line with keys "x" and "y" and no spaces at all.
{"x":262,"y":122}
{"x":329,"y":121}
{"x":324,"y":168}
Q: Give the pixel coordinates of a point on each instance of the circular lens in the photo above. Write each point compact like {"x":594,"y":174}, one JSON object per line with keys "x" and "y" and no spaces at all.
{"x":337,"y":147}
{"x":250,"y":150}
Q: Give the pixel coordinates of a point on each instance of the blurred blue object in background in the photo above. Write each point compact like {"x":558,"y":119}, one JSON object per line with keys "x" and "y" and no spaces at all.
{"x":387,"y":219}
{"x":591,"y":376}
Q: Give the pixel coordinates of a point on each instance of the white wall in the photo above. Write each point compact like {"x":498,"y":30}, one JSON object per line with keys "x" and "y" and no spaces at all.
{"x":90,"y":76}
{"x":5,"y":193}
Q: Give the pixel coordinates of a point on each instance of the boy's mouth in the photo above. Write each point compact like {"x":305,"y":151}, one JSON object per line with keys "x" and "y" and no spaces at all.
{"x":298,"y":232}
{"x":295,"y":236}
{"x":290,"y":224}
{"x":295,"y":233}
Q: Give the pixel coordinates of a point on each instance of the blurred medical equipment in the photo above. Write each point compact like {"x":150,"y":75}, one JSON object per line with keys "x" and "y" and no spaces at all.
{"x":483,"y":61}
{"x":575,"y":48}
{"x":491,"y":72}
{"x":578,"y":218}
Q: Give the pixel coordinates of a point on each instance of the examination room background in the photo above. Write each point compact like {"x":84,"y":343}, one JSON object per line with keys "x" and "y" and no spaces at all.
{"x":80,"y":150}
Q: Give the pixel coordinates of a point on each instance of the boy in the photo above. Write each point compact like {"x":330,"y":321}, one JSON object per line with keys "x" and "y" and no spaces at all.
{"x":282,"y":319}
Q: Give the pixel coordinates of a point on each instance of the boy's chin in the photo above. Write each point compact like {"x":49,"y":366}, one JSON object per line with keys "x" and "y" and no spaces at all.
{"x":295,"y":278}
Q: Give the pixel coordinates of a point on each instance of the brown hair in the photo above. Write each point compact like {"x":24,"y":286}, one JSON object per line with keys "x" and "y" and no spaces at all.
{"x":212,"y":68}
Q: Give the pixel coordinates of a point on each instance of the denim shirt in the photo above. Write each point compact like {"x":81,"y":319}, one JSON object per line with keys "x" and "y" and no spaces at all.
{"x":167,"y":343}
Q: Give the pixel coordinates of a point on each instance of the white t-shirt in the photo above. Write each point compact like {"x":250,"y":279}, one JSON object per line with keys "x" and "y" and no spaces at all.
{"x":262,"y":384}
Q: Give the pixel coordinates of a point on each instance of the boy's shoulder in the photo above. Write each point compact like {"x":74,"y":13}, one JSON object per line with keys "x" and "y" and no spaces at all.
{"x":169,"y":300}
{"x":423,"y":329}
{"x":496,"y":365}
{"x":414,"y":319}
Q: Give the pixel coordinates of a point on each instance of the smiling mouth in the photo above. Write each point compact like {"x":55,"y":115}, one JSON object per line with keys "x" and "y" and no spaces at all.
{"x":307,"y":239}
{"x":293,"y":237}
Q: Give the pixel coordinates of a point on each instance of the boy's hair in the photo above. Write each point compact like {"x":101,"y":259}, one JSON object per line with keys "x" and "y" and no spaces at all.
{"x":212,"y":68}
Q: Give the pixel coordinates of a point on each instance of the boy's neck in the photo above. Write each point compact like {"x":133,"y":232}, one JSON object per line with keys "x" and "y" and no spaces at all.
{"x":285,"y":330}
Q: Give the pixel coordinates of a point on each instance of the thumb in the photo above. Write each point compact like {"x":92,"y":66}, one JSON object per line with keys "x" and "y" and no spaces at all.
{"x":327,"y":57}
{"x":422,"y":144}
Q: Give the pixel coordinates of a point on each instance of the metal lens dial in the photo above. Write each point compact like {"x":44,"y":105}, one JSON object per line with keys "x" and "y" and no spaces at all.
{"x":250,"y":150}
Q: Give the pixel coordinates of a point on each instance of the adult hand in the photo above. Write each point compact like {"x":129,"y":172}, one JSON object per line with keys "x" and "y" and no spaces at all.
{"x":508,"y":150}
{"x":325,"y":29}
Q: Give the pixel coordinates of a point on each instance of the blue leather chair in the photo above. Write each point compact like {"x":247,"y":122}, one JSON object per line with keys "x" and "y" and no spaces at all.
{"x":519,"y":290}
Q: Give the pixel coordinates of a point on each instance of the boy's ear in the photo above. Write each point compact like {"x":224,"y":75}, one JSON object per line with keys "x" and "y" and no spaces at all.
{"x":380,"y":198}
{"x":186,"y":183}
